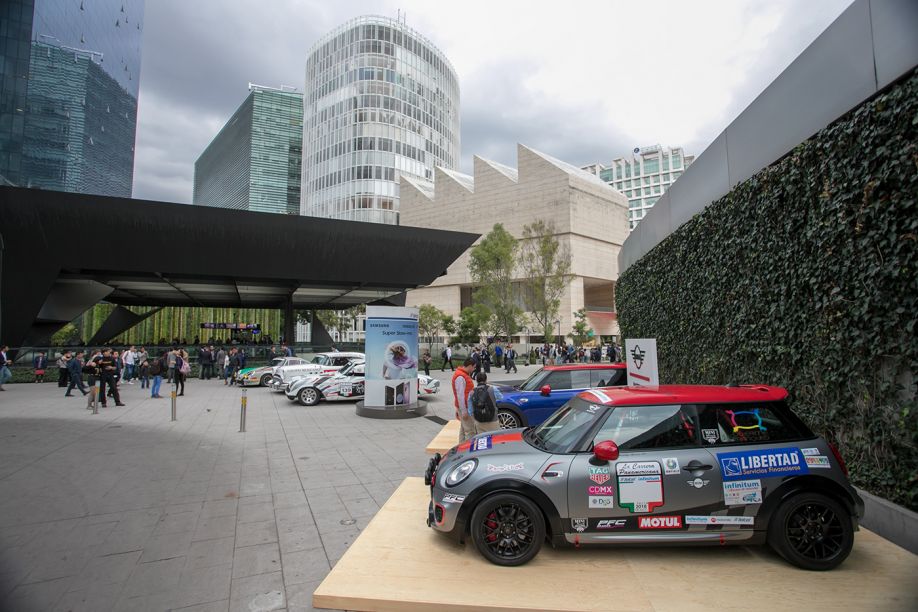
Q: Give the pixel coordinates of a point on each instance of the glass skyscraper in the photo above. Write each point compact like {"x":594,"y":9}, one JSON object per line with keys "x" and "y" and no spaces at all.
{"x":69,"y":80}
{"x":254,"y":162}
{"x":380,"y":101}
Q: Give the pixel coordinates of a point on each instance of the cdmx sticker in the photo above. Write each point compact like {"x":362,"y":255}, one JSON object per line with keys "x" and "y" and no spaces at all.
{"x":600,"y":475}
{"x":762,"y":463}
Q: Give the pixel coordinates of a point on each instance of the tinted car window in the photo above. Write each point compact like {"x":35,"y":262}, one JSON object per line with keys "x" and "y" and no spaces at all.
{"x":340,"y":361}
{"x":559,"y":379}
{"x":580,"y":379}
{"x":533,"y":382}
{"x":566,"y":427}
{"x":606,"y":378}
{"x":640,"y":427}
{"x":748,"y":423}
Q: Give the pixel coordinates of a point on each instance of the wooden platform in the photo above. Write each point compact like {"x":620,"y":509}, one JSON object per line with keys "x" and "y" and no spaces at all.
{"x":446,"y":439}
{"x":398,"y":563}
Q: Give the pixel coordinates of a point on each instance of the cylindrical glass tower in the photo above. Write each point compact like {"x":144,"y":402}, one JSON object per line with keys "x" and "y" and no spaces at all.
{"x":380,"y":101}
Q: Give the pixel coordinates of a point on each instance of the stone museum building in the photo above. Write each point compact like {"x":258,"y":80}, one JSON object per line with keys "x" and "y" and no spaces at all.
{"x":380,"y":101}
{"x":590,"y":218}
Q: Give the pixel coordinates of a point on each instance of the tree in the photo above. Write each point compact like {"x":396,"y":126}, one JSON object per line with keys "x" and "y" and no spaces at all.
{"x":468,"y":330}
{"x":491,"y":264}
{"x":450,"y":325}
{"x":340,"y":320}
{"x":581,"y":330}
{"x":546,"y":267}
{"x":430,"y":322}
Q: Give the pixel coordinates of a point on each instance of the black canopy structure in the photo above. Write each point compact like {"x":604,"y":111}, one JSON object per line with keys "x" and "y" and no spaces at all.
{"x":60,"y":253}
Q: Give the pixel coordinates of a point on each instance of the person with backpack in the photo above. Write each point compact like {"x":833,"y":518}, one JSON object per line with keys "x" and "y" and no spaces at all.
{"x":447,"y":355}
{"x":483,"y":406}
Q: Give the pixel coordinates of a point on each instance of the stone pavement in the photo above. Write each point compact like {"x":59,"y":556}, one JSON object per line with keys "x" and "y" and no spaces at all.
{"x":126,"y":510}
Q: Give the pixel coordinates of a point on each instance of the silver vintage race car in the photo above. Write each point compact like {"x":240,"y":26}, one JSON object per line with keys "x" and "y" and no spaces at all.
{"x":320,"y":364}
{"x":261,"y":376}
{"x":345,"y":384}
{"x":654,"y":465}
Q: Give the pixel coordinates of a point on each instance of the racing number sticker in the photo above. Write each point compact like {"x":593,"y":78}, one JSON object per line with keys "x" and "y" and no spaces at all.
{"x":640,"y":485}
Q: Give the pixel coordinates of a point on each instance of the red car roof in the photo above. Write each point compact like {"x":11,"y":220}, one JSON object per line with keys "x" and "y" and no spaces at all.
{"x":586,"y":366}
{"x":682,"y":394}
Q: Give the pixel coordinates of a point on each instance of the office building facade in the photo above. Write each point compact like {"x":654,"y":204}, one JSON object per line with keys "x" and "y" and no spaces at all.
{"x":643,"y":176}
{"x":254,"y":162}
{"x":69,"y":80}
{"x":380,"y":102}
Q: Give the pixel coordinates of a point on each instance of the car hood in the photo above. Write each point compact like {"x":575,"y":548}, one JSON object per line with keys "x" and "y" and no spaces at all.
{"x":245,"y":371}
{"x":499,"y":454}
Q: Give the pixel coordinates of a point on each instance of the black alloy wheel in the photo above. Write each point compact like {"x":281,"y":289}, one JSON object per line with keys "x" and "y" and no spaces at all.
{"x":265,"y":380}
{"x":507,"y":529}
{"x":507,"y":419}
{"x":812,"y":531}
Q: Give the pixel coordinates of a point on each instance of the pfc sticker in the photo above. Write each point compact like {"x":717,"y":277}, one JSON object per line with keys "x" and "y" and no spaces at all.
{"x":670,"y":466}
{"x":611,"y":524}
{"x":762,"y":463}
{"x":640,"y":485}
{"x":739,"y":492}
{"x":719,"y":520}
{"x":820,"y":462}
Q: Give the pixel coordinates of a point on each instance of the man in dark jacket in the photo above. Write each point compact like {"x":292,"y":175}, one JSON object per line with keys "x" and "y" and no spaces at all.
{"x":206,"y":361}
{"x":109,"y":369}
{"x":75,"y":369}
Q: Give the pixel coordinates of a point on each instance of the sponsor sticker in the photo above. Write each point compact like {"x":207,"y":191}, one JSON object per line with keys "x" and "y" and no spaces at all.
{"x":670,"y":466}
{"x":346,"y":390}
{"x":451,"y":498}
{"x":479,"y":444}
{"x":710,"y":435}
{"x":660,"y":522}
{"x":579,"y":524}
{"x":640,"y":485}
{"x":599,"y":475}
{"x":810,"y":451}
{"x":601,"y":490}
{"x":698,"y":483}
{"x":611,"y":524}
{"x":762,"y":463}
{"x":821,"y":462}
{"x":506,"y":467}
{"x":602,"y":501}
{"x":719,"y":520}
{"x":739,"y":492}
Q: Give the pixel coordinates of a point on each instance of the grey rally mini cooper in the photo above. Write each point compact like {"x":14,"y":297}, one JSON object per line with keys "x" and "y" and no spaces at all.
{"x":651,"y":465}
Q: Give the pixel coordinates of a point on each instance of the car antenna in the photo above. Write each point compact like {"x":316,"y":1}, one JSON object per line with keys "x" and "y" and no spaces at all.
{"x":732,"y":384}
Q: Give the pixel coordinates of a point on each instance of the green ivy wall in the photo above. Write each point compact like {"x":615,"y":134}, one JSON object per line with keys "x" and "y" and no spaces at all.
{"x":806,"y":276}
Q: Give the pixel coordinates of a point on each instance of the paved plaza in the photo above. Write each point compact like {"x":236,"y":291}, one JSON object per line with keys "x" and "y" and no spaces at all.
{"x":126,"y":510}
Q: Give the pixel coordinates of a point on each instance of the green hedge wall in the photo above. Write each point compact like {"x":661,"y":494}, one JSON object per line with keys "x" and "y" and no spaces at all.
{"x":806,"y":276}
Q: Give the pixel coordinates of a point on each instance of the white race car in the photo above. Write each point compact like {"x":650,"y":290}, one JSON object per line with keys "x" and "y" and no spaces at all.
{"x":346,"y":384}
{"x":321,"y":364}
{"x":261,"y":376}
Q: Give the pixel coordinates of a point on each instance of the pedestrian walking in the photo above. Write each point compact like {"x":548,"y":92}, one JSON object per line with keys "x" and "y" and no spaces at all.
{"x":144,"y":374}
{"x":462,"y":387}
{"x":5,"y":373}
{"x":182,"y":370}
{"x":483,"y":406}
{"x":108,"y":376}
{"x":425,"y":360}
{"x":75,"y":375}
{"x":447,"y":359}
{"x":170,"y":362}
{"x":62,"y":369}
{"x":156,"y":371}
{"x":498,"y":354}
{"x":128,"y":360}
{"x":39,"y":363}
{"x":510,"y":359}
{"x":220,"y":362}
{"x":91,"y":369}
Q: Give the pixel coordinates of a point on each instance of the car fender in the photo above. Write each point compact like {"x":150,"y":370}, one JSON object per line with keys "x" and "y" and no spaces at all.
{"x":511,"y":485}
{"x":809,"y":483}
{"x":524,"y":422}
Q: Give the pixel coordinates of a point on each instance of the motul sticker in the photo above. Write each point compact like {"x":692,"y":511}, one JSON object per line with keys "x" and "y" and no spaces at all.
{"x":660,"y":522}
{"x":599,"y":475}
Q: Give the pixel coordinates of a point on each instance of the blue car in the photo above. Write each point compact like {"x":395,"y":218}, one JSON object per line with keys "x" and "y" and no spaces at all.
{"x":550,"y":388}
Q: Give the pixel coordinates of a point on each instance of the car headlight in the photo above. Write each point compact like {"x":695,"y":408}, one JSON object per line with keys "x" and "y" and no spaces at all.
{"x":461,"y":472}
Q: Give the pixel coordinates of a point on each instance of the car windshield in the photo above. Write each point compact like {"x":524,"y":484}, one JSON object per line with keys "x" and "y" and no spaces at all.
{"x":567,"y":426}
{"x":320,"y":359}
{"x":348,"y":370}
{"x":277,"y":361}
{"x":534,"y":381}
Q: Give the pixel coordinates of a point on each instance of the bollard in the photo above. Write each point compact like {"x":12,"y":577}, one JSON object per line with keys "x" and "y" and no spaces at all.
{"x":174,"y":389}
{"x":242,"y":407}
{"x":96,"y":388}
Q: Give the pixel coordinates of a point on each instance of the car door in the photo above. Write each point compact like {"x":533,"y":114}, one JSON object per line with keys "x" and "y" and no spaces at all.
{"x":564,"y":384}
{"x":660,"y":486}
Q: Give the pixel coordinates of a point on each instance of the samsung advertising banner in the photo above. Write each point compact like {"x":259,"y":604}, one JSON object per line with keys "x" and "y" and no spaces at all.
{"x":392,"y":358}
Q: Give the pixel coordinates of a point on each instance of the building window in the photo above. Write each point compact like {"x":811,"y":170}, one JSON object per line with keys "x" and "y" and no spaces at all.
{"x":651,"y":165}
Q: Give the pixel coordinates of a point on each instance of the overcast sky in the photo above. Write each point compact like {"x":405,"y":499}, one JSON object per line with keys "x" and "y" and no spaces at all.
{"x":581,"y":81}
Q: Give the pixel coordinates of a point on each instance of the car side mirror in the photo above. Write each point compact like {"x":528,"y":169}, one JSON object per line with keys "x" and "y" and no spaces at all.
{"x":607,"y":450}
{"x":546,"y":390}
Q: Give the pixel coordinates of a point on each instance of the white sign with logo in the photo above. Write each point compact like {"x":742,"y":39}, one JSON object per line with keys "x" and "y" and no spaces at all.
{"x":641,"y":359}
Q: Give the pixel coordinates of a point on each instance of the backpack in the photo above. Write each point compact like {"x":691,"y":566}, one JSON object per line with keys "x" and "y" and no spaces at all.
{"x":482,"y":406}
{"x":185,"y":368}
{"x":443,"y":354}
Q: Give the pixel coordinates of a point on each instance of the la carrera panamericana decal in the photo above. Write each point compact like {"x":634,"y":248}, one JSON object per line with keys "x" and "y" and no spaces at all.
{"x":640,"y":485}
